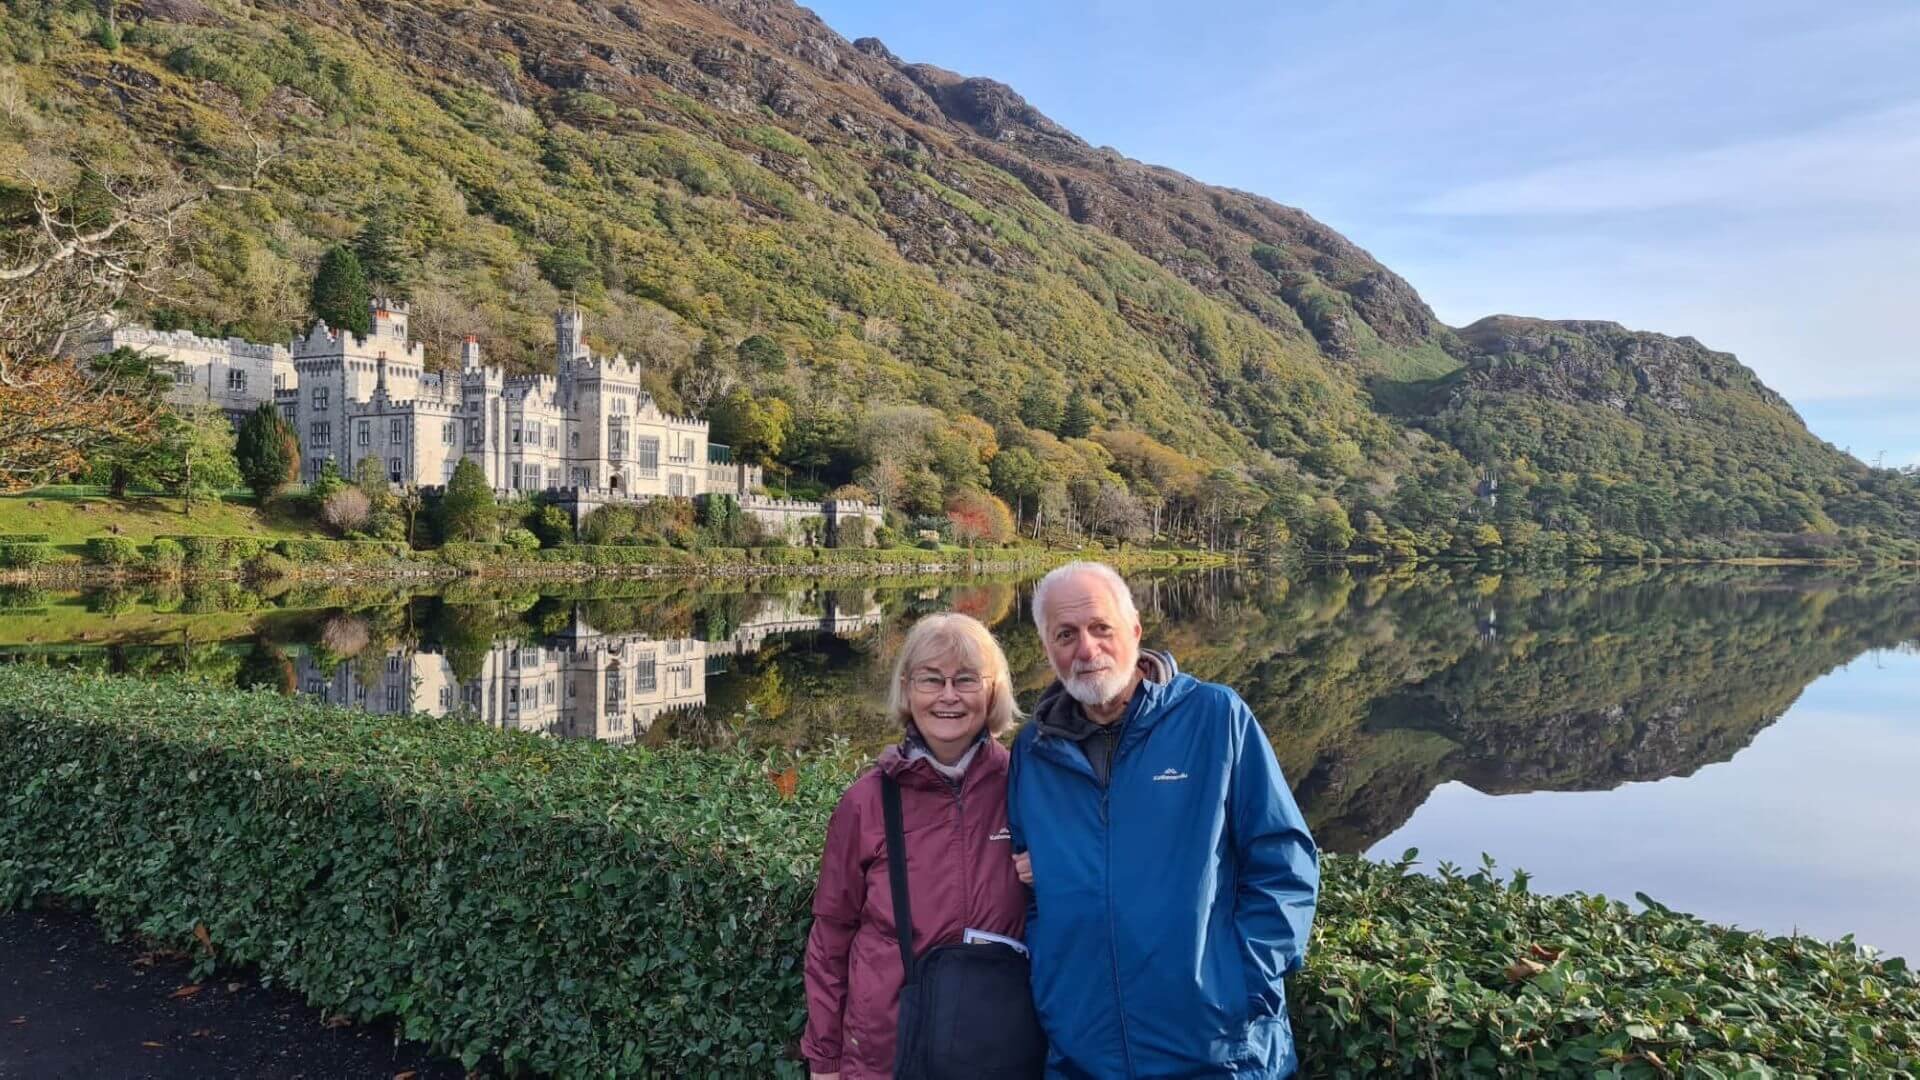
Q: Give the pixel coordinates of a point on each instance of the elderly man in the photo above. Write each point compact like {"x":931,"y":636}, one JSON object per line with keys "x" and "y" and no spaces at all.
{"x":1173,"y":878}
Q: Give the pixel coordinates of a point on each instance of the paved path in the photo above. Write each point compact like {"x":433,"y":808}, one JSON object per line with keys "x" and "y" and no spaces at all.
{"x":74,"y":1005}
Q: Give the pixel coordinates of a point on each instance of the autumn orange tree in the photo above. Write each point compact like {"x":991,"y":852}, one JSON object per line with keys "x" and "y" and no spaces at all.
{"x":81,"y":227}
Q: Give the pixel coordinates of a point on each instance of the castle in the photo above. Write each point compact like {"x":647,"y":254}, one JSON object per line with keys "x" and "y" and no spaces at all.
{"x":586,"y":425}
{"x":587,"y":434}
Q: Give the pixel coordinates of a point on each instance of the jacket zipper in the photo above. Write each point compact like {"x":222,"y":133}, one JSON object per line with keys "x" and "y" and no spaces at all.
{"x":1113,"y":945}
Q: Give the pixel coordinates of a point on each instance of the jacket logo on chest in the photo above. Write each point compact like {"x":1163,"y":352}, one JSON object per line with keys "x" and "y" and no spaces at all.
{"x":1170,"y":775}
{"x":1003,"y":834}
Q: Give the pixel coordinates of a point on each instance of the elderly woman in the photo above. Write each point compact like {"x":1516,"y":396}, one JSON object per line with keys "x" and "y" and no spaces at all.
{"x":951,"y":694}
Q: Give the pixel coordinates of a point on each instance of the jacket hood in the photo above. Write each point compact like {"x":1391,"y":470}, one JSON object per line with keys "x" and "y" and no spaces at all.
{"x":899,"y":762}
{"x":1058,"y":713}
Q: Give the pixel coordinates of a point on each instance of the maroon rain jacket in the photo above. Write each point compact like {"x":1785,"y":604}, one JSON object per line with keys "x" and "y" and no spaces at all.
{"x":959,"y":875}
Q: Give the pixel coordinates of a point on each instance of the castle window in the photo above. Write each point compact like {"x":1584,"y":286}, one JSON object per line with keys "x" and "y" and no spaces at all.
{"x":279,"y":382}
{"x":533,"y":478}
{"x":619,"y":406}
{"x":393,"y":699}
{"x":553,"y":438}
{"x":476,"y":432}
{"x":363,"y":433}
{"x":321,"y":437}
{"x":617,"y":440}
{"x":577,"y":477}
{"x":516,"y":434}
{"x":674,"y":485}
{"x":320,"y":394}
{"x":181,"y":375}
{"x":644,"y":680}
{"x":449,"y":431}
{"x":650,"y":455}
{"x":573,"y":440}
{"x":393,"y":469}
{"x":237,"y":381}
{"x":397,"y":432}
{"x":513,"y":476}
{"x":533,"y":432}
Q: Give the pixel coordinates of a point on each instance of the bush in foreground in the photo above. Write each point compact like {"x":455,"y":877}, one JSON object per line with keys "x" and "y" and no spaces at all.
{"x":583,"y":910}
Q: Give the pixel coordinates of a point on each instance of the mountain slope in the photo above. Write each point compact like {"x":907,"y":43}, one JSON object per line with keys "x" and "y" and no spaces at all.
{"x":700,"y":174}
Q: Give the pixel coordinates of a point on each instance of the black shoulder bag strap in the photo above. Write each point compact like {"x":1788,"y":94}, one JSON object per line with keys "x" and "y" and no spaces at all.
{"x":897,"y":872}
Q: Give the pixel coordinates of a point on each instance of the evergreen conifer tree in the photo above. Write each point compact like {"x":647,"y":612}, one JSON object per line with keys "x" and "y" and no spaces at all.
{"x":467,"y":511}
{"x":267,"y":450}
{"x":340,"y":292}
{"x":1077,"y":423}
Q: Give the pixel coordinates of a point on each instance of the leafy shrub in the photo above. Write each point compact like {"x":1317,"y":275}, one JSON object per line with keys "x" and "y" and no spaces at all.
{"x":269,"y":564}
{"x":578,"y":909}
{"x":19,"y":556}
{"x":206,"y":552}
{"x":552,"y":525}
{"x":25,"y":538}
{"x":521,"y":540}
{"x":113,"y":551}
{"x":165,"y":554}
{"x":346,"y":510}
{"x":685,"y":877}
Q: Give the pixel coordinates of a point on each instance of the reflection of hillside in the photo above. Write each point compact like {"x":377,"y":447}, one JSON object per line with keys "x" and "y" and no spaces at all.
{"x":1584,"y":687}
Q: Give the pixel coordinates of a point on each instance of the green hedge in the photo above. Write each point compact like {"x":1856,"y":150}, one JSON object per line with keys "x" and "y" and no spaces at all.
{"x":14,"y":556}
{"x":577,"y":909}
{"x":571,"y":908}
{"x":112,"y":551}
{"x":25,"y":538}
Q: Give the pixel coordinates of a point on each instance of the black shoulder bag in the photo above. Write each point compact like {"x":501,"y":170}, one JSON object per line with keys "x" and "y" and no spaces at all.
{"x":966,"y":1011}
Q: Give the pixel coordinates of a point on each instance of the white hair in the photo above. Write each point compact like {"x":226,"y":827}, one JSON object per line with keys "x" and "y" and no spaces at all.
{"x":1106,"y":575}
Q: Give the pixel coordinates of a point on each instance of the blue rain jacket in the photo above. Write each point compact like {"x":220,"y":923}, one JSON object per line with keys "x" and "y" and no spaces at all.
{"x":1168,"y":908}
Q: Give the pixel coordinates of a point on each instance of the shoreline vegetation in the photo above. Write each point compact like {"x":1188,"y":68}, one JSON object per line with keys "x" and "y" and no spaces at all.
{"x":128,"y":541}
{"x":577,"y":909}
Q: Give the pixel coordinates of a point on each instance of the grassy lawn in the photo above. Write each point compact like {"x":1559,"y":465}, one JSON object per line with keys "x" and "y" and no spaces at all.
{"x":69,"y":516}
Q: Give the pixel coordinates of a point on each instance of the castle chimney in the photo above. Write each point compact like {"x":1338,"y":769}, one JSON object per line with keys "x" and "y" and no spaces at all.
{"x":470,"y":353}
{"x":380,"y":376}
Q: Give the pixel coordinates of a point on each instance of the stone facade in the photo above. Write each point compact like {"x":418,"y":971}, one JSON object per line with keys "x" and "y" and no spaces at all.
{"x":587,"y":424}
{"x":229,"y":374}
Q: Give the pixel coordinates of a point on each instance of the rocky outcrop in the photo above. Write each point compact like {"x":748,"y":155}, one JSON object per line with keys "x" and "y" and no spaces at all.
{"x":1603,"y":363}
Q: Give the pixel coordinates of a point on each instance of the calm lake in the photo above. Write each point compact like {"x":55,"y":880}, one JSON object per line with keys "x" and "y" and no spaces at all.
{"x":1738,"y":743}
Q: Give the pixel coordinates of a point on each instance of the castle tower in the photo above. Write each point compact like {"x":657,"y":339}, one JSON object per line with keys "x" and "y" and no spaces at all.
{"x":389,"y":318}
{"x":568,"y":335}
{"x":470,"y":354}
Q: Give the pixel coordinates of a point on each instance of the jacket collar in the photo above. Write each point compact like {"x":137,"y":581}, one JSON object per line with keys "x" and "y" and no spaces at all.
{"x":1058,"y":714}
{"x":907,"y":770}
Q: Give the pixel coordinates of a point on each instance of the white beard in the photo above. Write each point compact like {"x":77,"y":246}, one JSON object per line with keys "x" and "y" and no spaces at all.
{"x":1098,"y":687}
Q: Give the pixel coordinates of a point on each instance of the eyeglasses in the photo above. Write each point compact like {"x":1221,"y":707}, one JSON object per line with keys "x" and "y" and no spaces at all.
{"x":927,"y":682}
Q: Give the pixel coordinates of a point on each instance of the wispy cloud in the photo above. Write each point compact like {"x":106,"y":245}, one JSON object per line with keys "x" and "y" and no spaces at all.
{"x":1866,"y":161}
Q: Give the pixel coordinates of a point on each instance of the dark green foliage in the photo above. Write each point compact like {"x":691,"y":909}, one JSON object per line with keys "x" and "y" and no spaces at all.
{"x":1461,"y":975}
{"x":421,"y":882}
{"x":1077,"y":421}
{"x":467,"y":510}
{"x":761,"y":353}
{"x":387,"y":255}
{"x":267,"y":451}
{"x":341,"y":294}
{"x":424,"y":886}
{"x":552,"y":525}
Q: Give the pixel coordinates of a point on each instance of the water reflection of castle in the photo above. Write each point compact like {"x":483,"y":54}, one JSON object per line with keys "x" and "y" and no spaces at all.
{"x":578,"y":684}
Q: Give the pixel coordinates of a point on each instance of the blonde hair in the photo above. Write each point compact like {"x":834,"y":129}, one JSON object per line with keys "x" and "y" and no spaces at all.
{"x":962,"y":636}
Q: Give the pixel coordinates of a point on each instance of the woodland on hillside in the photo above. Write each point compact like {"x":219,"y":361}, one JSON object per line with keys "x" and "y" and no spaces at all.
{"x":871,"y":276}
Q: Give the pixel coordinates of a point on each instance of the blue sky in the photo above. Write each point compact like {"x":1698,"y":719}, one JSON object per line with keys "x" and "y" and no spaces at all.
{"x":1744,"y":172}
